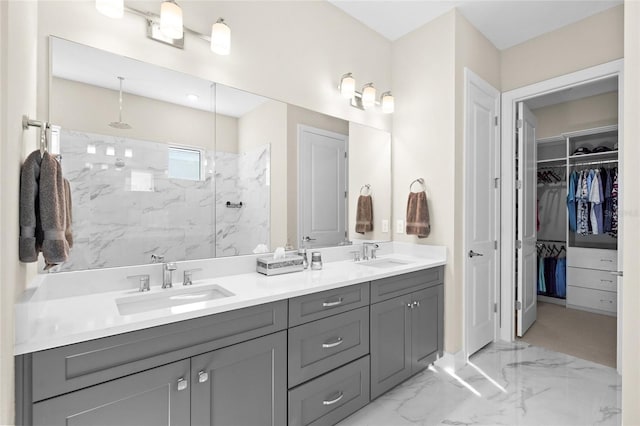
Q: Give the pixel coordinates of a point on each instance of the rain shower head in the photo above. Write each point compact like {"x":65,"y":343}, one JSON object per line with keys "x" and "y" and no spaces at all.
{"x":120,"y":124}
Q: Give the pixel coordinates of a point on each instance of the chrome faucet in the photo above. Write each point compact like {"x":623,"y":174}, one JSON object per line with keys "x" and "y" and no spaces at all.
{"x":369,"y":250}
{"x":167,"y":270}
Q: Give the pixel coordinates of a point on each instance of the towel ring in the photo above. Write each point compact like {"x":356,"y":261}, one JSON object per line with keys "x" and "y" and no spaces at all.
{"x":367,"y":187}
{"x":420,"y":181}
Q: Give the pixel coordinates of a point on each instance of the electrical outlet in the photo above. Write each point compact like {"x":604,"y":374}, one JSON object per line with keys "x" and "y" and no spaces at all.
{"x":385,"y":225}
{"x":400,"y":226}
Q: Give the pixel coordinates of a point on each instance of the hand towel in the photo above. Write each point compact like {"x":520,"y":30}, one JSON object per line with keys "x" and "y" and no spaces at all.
{"x":53,"y":215}
{"x":30,"y":240}
{"x":69,"y":217}
{"x":418,"y":215}
{"x":364,"y":214}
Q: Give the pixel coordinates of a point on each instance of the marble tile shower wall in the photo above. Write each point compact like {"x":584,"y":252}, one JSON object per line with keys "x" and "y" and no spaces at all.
{"x":126,"y":207}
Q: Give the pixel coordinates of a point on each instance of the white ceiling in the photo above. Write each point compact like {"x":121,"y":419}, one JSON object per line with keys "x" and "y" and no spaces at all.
{"x":505,"y":23}
{"x":77,"y":62}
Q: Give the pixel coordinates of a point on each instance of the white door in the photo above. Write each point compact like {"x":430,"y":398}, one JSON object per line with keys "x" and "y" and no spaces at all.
{"x":481,"y":144}
{"x":526,"y":294}
{"x":322,"y":188}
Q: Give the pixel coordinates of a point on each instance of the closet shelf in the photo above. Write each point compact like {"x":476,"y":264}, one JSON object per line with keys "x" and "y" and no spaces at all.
{"x":598,"y":155}
{"x":553,"y":160}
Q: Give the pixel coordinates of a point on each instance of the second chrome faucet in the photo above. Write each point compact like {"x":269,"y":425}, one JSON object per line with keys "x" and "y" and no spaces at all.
{"x":167,"y":270}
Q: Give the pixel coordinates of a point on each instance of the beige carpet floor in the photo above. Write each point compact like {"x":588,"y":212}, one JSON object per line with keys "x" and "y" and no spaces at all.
{"x":579,"y":333}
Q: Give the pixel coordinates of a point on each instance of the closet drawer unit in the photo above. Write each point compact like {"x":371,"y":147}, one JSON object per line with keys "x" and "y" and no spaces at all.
{"x":332,"y":397}
{"x":588,"y":278}
{"x":579,"y":297}
{"x":391,"y":287}
{"x":315,"y":306}
{"x":320,"y":346}
{"x":604,"y":260}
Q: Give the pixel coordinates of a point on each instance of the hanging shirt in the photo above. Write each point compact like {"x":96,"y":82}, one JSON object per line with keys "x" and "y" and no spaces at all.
{"x":596,"y":198}
{"x":561,"y":277}
{"x":571,"y":200}
{"x":614,"y":204}
{"x":608,"y":202}
{"x":582,"y":207}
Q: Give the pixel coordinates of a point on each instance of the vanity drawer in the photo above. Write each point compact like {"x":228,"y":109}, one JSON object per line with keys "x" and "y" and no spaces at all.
{"x":388,"y":288}
{"x":320,"y":346}
{"x":588,"y":278}
{"x":315,"y":306}
{"x":599,"y":300}
{"x":332,"y":397}
{"x":67,"y":368}
{"x":605,"y":260}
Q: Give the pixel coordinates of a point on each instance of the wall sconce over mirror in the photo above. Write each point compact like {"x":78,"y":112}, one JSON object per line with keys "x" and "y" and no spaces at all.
{"x":168,"y":27}
{"x":366,"y":98}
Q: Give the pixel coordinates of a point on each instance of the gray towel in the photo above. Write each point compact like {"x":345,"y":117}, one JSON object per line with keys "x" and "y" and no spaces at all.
{"x":364,"y":214}
{"x":68,"y":235}
{"x":418,"y":215}
{"x":53,"y":215}
{"x":31,"y":237}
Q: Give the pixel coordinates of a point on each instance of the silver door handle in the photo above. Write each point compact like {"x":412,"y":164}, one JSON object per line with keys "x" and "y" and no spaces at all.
{"x":308,"y":238}
{"x":330,"y":304}
{"x":203,"y":376}
{"x":333,"y":401}
{"x":337,"y":342}
{"x":474,"y":254}
{"x":616,"y":273}
{"x":182,"y":384}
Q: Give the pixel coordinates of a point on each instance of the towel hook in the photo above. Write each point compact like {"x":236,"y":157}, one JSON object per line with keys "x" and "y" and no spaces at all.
{"x":367,"y":187}
{"x":420,"y":181}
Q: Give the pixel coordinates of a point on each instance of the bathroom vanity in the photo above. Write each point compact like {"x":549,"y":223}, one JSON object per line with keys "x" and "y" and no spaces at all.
{"x":312,"y":355}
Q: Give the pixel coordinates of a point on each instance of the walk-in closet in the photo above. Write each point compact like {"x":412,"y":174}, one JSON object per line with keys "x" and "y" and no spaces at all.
{"x":577,"y":199}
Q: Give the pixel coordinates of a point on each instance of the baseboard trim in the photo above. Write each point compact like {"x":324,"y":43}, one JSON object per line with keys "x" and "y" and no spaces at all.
{"x":449,"y":361}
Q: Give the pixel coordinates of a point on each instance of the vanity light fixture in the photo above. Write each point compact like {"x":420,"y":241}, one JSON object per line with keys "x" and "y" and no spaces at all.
{"x":171,"y":19}
{"x":111,"y":8}
{"x":367,"y":98}
{"x":168,"y":27}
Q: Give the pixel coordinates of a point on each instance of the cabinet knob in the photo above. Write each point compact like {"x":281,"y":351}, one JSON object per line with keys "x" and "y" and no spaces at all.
{"x":410,"y":305}
{"x":415,"y":304}
{"x":203,"y":376}
{"x":182,"y":384}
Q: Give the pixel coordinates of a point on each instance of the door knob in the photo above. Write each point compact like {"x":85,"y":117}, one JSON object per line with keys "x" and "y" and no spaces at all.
{"x":308,"y":238}
{"x":474,"y":254}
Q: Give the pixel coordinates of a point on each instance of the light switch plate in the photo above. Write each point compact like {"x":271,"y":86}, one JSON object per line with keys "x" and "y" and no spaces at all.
{"x":385,"y":225}
{"x":400,"y":226}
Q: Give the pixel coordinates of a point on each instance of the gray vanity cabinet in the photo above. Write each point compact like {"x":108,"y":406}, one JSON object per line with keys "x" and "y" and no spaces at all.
{"x":159,"y":396}
{"x":406,"y":331}
{"x":244,"y":384}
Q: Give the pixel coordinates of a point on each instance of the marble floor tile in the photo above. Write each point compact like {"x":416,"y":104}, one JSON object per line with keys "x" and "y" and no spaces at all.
{"x":503,"y":384}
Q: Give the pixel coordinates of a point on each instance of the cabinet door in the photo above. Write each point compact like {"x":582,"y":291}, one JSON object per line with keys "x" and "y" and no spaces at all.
{"x":151,"y":398}
{"x":241,"y":385}
{"x":390,"y":343}
{"x":426,"y":326}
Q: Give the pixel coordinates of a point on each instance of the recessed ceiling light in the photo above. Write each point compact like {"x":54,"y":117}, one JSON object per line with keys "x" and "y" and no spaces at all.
{"x":192,"y":97}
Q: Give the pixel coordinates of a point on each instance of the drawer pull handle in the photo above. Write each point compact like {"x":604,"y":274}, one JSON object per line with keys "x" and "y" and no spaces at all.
{"x":605,"y":300}
{"x":203,"y":376}
{"x":337,"y":342}
{"x":606,"y":281}
{"x":333,"y":401}
{"x":606,"y":260}
{"x":182,"y":384}
{"x":334,"y":303}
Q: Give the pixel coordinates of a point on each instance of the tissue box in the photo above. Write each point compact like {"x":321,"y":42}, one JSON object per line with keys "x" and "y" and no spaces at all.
{"x":269,"y":266}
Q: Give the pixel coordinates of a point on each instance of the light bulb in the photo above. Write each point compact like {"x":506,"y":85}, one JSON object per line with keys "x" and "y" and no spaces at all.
{"x":220,"y":38}
{"x":368,"y":95}
{"x":348,"y":86}
{"x":388,"y":102}
{"x":171,"y":20}
{"x":111,"y":8}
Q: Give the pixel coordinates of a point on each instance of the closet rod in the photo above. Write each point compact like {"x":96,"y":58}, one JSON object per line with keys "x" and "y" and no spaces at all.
{"x":554,"y":241}
{"x":589,"y":163}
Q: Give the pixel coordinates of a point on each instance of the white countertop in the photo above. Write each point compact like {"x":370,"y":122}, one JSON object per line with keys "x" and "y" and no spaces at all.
{"x":43,"y":322}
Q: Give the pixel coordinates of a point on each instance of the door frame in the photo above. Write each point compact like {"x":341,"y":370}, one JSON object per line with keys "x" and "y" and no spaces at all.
{"x":469,"y":78}
{"x":508,"y":193}
{"x":301,"y":129}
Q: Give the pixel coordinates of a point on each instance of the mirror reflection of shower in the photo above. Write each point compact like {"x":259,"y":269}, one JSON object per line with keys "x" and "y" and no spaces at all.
{"x":120,"y":124}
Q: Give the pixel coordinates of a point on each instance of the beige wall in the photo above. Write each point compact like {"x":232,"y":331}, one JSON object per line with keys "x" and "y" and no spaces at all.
{"x":80,"y":106}
{"x":587,"y":113}
{"x":18,"y":47}
{"x":423,"y":70}
{"x":631,"y":219}
{"x":592,"y":41}
{"x":267,"y":124}
{"x":370,"y":163}
{"x":296,"y":116}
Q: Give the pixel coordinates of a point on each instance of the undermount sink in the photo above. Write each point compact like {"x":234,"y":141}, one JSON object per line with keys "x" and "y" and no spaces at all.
{"x":384,"y":263}
{"x":180,"y":300}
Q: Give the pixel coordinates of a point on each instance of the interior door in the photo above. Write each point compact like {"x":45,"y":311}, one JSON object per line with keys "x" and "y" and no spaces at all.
{"x":322,"y":190}
{"x":481,"y":211}
{"x":526,"y":295}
